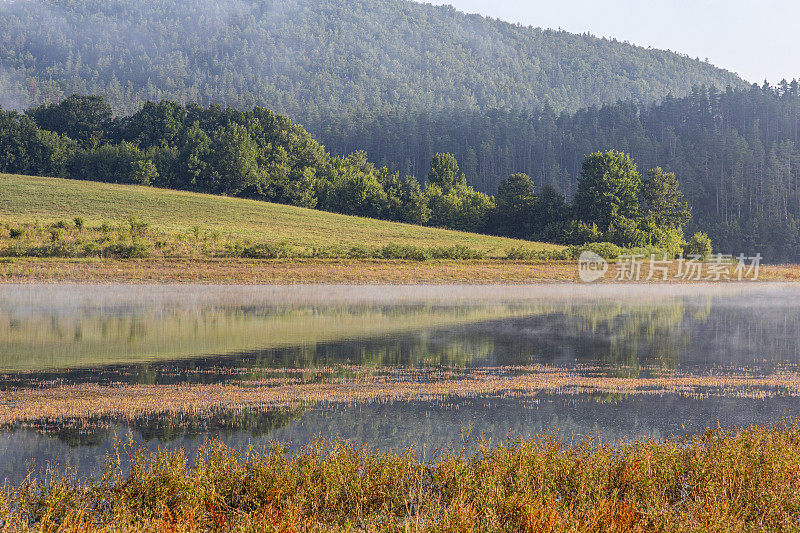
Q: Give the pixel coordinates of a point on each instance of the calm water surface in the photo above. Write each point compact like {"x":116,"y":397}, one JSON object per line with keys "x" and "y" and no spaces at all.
{"x":116,"y":336}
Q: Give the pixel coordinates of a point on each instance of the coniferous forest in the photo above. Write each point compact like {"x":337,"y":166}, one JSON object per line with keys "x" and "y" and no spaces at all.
{"x":312,"y":58}
{"x":735,"y":152}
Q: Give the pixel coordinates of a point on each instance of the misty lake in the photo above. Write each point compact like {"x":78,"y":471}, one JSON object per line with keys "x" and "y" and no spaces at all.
{"x":428,"y":367}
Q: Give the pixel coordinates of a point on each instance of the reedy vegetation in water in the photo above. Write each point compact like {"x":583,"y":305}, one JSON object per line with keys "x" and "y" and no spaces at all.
{"x":726,"y":480}
{"x":31,"y":407}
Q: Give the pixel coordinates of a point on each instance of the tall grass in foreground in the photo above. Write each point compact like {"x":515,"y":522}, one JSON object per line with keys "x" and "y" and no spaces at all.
{"x":723,"y":481}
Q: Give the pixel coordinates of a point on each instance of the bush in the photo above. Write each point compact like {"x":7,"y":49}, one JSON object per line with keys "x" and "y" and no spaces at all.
{"x":406,"y":252}
{"x":78,"y":223}
{"x":456,"y":252}
{"x":54,"y":249}
{"x":647,"y":251}
{"x":327,"y":252}
{"x":14,"y":250}
{"x":266,"y":251}
{"x":360,"y":252}
{"x":137,"y":226}
{"x":580,"y":233}
{"x":136,"y":250}
{"x":522,"y":254}
{"x":625,"y":232}
{"x":698,"y":245}
{"x":16,"y":233}
{"x":92,"y":250}
{"x":606,"y":250}
{"x":670,"y":240}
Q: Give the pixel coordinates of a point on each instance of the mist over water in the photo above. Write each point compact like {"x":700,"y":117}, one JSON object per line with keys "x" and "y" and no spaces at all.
{"x":643,"y":354}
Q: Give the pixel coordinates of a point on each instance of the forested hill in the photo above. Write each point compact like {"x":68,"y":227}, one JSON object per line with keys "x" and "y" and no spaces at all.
{"x":311,"y":58}
{"x":736,"y":154}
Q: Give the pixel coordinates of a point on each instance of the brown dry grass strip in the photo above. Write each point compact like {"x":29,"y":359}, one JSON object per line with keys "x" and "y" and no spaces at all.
{"x":295,"y":271}
{"x":129,"y":401}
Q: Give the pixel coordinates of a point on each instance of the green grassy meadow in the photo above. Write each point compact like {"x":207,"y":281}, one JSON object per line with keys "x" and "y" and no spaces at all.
{"x":26,"y":199}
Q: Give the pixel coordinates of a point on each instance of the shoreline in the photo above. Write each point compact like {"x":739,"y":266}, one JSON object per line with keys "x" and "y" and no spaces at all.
{"x":723,"y":480}
{"x":320,"y":271}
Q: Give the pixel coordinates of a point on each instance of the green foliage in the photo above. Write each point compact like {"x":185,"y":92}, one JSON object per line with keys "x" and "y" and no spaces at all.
{"x":257,"y":154}
{"x":407,"y":201}
{"x":522,"y":254}
{"x":416,"y":253}
{"x":120,"y":163}
{"x":711,"y":139}
{"x":234,"y":165}
{"x":317,"y":60}
{"x":606,"y":250}
{"x":670,"y":240}
{"x":254,"y":154}
{"x":608,"y":190}
{"x":457,"y":252}
{"x":137,"y":226}
{"x":266,"y":251}
{"x":461,"y":208}
{"x":662,"y":200}
{"x":577,"y":233}
{"x":625,"y":232}
{"x":699,"y":245}
{"x":405,"y":252}
{"x":83,"y":118}
{"x":444,"y":173}
{"x":135,"y":250}
{"x":351,"y":185}
{"x":516,"y":206}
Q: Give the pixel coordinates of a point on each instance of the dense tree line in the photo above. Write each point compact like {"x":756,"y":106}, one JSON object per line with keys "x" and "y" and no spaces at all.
{"x":315,"y":58}
{"x":737,"y":153}
{"x":259,"y":154}
{"x":251,"y":154}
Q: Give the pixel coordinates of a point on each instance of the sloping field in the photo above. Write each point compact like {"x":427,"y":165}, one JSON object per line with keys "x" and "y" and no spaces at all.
{"x":28,"y":199}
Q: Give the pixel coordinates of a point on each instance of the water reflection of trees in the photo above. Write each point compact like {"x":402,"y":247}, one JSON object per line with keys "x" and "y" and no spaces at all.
{"x":617,"y":337}
{"x":623,"y":338}
{"x":167,"y":426}
{"x":35,"y":341}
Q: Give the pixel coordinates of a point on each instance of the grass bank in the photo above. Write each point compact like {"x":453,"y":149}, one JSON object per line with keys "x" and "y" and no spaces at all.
{"x":217,"y":220}
{"x":722,"y":481}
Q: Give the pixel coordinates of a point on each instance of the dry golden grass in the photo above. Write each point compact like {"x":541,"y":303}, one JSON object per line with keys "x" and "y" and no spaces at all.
{"x":53,"y":401}
{"x":283,"y":271}
{"x":296,"y":271}
{"x":746,"y":480}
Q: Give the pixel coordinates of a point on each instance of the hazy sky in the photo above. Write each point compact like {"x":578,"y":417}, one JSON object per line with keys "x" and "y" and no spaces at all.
{"x":757,"y":39}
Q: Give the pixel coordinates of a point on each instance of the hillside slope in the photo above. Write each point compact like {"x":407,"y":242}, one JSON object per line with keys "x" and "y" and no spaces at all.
{"x":306,"y":57}
{"x":29,"y":199}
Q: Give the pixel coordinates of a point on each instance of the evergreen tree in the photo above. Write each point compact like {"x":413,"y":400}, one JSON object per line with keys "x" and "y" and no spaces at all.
{"x":608,"y":190}
{"x":516,"y":204}
{"x":445,"y":172}
{"x":662,"y":199}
